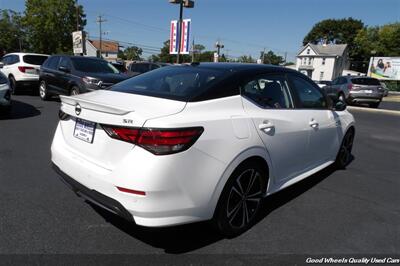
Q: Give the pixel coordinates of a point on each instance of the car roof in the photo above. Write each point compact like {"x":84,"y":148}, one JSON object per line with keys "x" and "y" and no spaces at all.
{"x":18,"y":53}
{"x":77,"y":56}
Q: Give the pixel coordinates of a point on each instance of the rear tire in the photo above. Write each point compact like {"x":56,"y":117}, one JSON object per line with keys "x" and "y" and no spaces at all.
{"x":344,"y":155}
{"x":43,"y":93}
{"x":13,"y":85}
{"x":74,"y":91}
{"x":240,"y":199}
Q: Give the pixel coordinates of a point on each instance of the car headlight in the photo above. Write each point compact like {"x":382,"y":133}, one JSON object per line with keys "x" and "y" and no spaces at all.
{"x":92,"y":81}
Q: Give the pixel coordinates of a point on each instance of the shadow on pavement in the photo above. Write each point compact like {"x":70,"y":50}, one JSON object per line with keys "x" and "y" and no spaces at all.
{"x":186,"y":238}
{"x":19,"y":110}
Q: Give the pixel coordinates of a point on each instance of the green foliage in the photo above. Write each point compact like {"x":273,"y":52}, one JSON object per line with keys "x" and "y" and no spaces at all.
{"x":165,"y":57}
{"x":133,"y":53}
{"x":11,"y":32}
{"x":271,"y":58}
{"x":49,"y":24}
{"x":246,"y":59}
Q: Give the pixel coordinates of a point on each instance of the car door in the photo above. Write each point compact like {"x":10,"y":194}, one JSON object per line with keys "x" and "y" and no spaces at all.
{"x":322,"y":121}
{"x":50,"y":73}
{"x":268,"y":101}
{"x":64,"y":75}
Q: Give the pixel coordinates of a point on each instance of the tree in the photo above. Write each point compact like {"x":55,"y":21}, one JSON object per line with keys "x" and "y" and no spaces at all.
{"x":133,"y":53}
{"x":12,"y":36}
{"x":50,"y":23}
{"x":165,"y":57}
{"x":121,"y":55}
{"x":271,"y":58}
{"x":246,"y":59}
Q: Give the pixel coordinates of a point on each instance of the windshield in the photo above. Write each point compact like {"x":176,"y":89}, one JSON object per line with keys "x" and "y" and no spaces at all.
{"x":365,"y":81}
{"x":93,"y":65}
{"x":175,"y":82}
{"x":34,"y":59}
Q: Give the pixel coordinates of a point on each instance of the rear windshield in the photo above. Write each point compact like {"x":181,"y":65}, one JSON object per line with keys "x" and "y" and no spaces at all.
{"x":175,"y":82}
{"x":93,"y":65}
{"x":365,"y":81}
{"x":35,"y":59}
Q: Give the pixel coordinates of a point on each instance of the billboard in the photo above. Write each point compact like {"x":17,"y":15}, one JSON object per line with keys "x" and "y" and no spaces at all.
{"x":184,"y":44}
{"x":78,"y":42}
{"x":384,"y":68}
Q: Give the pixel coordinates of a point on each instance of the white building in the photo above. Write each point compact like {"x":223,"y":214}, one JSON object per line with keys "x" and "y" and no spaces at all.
{"x":109,"y":49}
{"x":323,"y":62}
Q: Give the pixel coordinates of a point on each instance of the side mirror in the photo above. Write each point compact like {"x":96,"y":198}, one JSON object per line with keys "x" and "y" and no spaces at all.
{"x":340,"y":105}
{"x":64,"y":69}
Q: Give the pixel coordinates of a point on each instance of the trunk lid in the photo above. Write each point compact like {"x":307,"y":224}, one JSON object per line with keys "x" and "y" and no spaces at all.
{"x":110,"y":108}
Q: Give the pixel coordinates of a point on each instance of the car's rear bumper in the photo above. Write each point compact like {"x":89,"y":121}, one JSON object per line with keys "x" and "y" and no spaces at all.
{"x":365,"y":97}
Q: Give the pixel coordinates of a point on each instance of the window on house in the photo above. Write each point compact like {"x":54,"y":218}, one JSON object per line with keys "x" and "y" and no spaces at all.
{"x":308,"y":51}
{"x":323,"y":61}
{"x":321,"y":75}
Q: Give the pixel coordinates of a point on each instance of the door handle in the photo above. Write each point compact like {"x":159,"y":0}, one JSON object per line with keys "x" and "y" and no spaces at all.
{"x":266,"y":126}
{"x":313,"y":123}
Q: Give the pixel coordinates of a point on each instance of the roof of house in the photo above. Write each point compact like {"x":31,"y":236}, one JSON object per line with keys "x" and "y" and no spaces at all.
{"x":327,"y":49}
{"x":106,"y":46}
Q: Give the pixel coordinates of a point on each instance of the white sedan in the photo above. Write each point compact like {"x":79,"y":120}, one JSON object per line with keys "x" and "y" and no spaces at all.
{"x":188,"y":143}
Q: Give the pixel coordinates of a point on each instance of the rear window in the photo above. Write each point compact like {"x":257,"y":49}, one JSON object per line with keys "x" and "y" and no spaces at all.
{"x":365,"y":81}
{"x":93,"y":65}
{"x":176,"y":82}
{"x":34,"y":59}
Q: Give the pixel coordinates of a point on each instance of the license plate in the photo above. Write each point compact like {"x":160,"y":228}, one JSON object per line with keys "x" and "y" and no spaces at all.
{"x":367,"y":91}
{"x":84,"y":130}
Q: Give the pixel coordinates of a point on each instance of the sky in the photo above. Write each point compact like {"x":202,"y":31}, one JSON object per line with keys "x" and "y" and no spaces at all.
{"x":245,"y":27}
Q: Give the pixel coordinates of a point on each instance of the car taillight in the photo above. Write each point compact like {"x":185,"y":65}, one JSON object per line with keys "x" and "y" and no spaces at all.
{"x":23,"y":69}
{"x":350,"y":86}
{"x":155,"y":140}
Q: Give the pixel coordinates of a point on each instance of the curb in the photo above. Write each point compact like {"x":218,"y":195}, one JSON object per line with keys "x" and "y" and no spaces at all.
{"x":371,"y":110}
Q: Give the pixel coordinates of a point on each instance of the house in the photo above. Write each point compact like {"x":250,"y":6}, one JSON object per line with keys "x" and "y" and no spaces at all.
{"x":323,"y":61}
{"x":109,"y":49}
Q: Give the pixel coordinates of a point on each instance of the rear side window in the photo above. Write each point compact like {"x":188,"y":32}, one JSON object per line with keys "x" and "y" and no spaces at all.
{"x":366,"y":81}
{"x":34,"y":59}
{"x":180,"y":83}
{"x":53,"y":62}
{"x":309,"y":95}
{"x":93,"y":65}
{"x":269,"y":91}
{"x":140,"y":68}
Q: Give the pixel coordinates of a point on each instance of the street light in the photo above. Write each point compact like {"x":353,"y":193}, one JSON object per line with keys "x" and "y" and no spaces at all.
{"x":182,"y":4}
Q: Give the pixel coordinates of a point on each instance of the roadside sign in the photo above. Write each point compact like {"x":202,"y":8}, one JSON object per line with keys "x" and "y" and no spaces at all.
{"x":78,"y":42}
{"x":387,"y":68}
{"x":184,"y":44}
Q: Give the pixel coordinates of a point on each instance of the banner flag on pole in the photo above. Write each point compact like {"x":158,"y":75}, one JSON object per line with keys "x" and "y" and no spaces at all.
{"x":184,"y":46}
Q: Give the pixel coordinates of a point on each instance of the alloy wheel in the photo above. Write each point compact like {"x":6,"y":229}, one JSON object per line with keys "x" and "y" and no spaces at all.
{"x":345,"y":149}
{"x":42,"y":90}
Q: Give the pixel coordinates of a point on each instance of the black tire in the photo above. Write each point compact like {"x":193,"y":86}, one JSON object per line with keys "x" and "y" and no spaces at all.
{"x":13,"y":85}
{"x":344,"y":155}
{"x":74,"y":91}
{"x":374,"y":105}
{"x":43,"y":92}
{"x":240,"y":199}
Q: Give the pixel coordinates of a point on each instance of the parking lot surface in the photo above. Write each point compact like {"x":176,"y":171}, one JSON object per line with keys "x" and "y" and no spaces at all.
{"x":352,"y":211}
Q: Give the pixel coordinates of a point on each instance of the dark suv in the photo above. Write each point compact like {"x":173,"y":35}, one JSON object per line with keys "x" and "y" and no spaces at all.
{"x":137,"y":68}
{"x":71,"y":75}
{"x":356,"y":89}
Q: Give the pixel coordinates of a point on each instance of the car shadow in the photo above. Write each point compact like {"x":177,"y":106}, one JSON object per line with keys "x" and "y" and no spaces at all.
{"x":185,"y":238}
{"x":19,"y":110}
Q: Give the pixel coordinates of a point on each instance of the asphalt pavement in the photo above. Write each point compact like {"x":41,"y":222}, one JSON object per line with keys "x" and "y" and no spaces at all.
{"x":352,"y":211}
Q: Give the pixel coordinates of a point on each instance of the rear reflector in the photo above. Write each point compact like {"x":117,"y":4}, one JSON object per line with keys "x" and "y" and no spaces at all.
{"x":24,"y":69}
{"x":157,"y":141}
{"x":127,"y":190}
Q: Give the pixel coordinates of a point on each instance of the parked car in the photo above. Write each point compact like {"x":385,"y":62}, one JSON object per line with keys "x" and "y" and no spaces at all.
{"x":120,"y":66}
{"x":22,"y":70}
{"x":323,"y":83}
{"x":195,"y":142}
{"x":71,"y":75}
{"x":5,"y":94}
{"x":137,"y":68}
{"x":356,"y":89}
{"x":385,"y":89}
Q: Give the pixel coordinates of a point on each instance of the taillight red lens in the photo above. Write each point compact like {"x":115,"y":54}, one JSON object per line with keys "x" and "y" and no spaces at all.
{"x":157,"y":141}
{"x":23,"y":68}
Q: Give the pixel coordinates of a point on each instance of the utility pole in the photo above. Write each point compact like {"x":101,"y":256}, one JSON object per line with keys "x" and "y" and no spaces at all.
{"x":100,"y":20}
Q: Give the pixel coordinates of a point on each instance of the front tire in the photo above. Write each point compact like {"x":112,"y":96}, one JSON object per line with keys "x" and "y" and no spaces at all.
{"x":43,"y":93}
{"x":240,"y":199}
{"x":344,"y":155}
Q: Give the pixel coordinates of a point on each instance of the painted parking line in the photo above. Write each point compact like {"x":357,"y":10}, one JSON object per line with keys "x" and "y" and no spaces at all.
{"x":373,"y":110}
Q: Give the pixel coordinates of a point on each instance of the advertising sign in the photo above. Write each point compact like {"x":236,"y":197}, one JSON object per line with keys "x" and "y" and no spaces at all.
{"x":384,"y":68}
{"x":184,"y":44}
{"x":78,"y":42}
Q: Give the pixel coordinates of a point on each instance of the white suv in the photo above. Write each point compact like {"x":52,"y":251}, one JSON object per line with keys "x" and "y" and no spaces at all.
{"x":196,"y":142}
{"x":22,"y":70}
